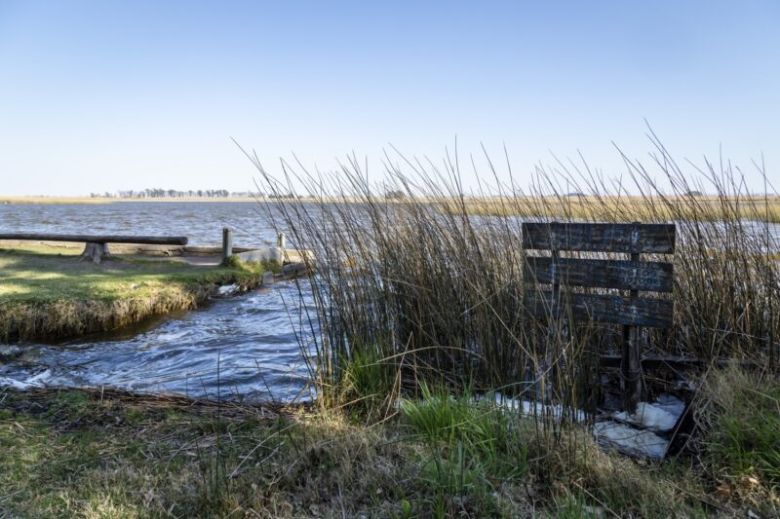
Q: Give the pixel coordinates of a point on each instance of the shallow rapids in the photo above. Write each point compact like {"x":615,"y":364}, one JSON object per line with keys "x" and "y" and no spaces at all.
{"x":243,"y":347}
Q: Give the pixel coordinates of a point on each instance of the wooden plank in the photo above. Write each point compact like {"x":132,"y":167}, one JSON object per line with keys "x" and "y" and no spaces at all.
{"x":599,"y":237}
{"x":147,"y":240}
{"x":628,"y":311}
{"x":622,"y":274}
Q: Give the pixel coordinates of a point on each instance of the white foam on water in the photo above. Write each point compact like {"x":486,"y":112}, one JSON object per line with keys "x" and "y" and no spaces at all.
{"x":225,"y":290}
{"x":32,"y":382}
{"x":15,"y":384}
{"x":39,"y":379}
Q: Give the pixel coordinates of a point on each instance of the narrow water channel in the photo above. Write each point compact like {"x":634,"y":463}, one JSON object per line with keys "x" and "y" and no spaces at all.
{"x":244,"y":347}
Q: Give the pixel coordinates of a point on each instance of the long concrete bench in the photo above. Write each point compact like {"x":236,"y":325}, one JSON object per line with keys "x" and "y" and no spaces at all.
{"x":97,"y":245}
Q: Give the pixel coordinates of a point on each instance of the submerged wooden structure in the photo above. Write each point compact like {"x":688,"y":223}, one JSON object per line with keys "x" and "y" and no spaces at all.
{"x":563,"y":286}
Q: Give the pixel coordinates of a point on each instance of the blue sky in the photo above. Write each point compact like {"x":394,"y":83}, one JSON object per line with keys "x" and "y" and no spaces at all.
{"x":108,"y":95}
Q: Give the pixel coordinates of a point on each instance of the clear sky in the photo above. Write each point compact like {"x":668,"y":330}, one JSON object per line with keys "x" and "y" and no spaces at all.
{"x":107,"y":95}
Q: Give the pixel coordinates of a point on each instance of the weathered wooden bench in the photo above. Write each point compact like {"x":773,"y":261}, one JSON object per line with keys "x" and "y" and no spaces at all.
{"x":554,"y":276}
{"x":97,"y":246}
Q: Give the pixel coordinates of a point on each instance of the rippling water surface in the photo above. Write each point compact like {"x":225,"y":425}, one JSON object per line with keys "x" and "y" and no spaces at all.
{"x":202,"y":222}
{"x":241,"y":347}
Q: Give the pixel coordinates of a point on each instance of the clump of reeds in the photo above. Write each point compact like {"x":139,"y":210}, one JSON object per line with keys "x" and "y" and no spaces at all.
{"x":425,"y":290}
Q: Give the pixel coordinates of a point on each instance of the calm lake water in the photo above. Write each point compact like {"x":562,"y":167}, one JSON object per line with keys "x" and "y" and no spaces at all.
{"x":239,"y":347}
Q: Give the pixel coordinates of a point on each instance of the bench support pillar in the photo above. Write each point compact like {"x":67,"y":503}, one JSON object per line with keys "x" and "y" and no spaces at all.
{"x":631,"y":368}
{"x":95,"y":251}
{"x":632,"y":353}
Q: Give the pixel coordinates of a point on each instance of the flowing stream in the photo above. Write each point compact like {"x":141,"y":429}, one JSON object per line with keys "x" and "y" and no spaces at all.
{"x":244,"y":347}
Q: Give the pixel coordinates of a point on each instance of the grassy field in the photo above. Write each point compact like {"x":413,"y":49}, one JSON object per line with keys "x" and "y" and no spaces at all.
{"x":105,"y":454}
{"x":627,"y":208}
{"x":50,"y":293}
{"x":604,"y":208}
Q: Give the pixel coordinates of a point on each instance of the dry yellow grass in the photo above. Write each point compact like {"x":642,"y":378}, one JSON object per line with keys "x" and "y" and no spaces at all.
{"x":612,"y":208}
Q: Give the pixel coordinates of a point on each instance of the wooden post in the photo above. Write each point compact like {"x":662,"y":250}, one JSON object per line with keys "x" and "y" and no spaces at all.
{"x":281,"y":240}
{"x":632,"y":357}
{"x":227,"y":244}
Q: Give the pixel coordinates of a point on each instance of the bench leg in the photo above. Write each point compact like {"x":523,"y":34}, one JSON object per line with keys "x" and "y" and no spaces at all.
{"x":95,"y":252}
{"x":631,"y":368}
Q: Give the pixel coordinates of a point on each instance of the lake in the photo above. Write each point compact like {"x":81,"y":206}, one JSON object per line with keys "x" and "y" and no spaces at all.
{"x":245,"y":347}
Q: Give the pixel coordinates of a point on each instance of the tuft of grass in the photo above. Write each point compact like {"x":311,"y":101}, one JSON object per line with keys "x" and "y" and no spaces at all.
{"x":739,"y":414}
{"x":473,"y":450}
{"x":51,"y":296}
{"x":368,"y":387}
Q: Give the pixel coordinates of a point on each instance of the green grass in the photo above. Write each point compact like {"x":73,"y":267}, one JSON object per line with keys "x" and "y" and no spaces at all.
{"x":54,"y":295}
{"x":72,"y":454}
{"x":472,"y":451}
{"x":741,"y":413}
{"x":109,"y":454}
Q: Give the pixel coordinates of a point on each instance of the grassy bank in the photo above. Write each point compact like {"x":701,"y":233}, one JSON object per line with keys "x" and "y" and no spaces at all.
{"x":50,"y":293}
{"x":104,"y":454}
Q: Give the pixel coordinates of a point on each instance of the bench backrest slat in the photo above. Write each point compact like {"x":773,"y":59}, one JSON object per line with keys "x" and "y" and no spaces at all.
{"x":599,"y":237}
{"x":614,"y":309}
{"x":112,"y":238}
{"x":648,"y":276}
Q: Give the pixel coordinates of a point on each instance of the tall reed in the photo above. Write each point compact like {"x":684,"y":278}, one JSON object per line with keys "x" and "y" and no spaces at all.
{"x":415,"y":286}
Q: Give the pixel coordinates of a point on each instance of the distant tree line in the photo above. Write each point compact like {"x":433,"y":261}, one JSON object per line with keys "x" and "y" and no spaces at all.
{"x":174,"y":193}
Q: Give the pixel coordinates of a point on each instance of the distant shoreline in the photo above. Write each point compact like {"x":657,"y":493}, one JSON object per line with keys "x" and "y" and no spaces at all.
{"x":30,"y":200}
